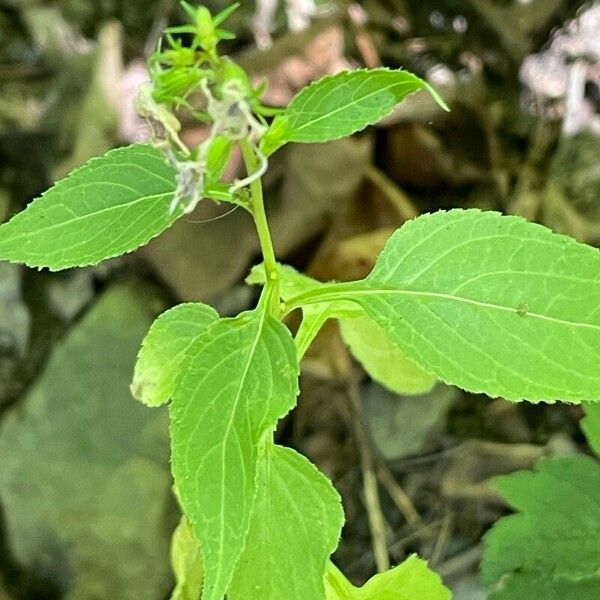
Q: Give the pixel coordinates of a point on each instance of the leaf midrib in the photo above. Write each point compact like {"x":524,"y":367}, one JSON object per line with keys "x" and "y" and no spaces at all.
{"x":349,"y":105}
{"x":241,"y":386}
{"x":43,"y":230}
{"x":482,"y":304}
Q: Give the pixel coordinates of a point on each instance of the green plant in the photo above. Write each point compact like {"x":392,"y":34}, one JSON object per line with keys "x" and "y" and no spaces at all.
{"x":551,"y":547}
{"x":492,"y":304}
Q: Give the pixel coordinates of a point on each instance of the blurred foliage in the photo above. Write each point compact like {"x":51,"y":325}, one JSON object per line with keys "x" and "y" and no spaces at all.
{"x":84,"y":480}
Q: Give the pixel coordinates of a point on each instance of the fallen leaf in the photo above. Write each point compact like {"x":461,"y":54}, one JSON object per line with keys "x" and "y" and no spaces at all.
{"x":401,"y":426}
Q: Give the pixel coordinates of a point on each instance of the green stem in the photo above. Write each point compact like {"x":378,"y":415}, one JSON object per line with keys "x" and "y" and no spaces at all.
{"x":307,"y":333}
{"x":257,"y":208}
{"x":324,"y":293}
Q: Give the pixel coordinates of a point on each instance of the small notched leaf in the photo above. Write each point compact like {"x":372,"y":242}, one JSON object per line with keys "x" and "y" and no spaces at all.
{"x":110,"y":206}
{"x":164,"y":348}
{"x":523,"y":586}
{"x":556,"y":533}
{"x":340,"y":105}
{"x":295,"y":526}
{"x":238,"y":379}
{"x":410,"y":580}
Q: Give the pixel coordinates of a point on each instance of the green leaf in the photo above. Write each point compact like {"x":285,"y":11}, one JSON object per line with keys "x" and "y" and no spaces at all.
{"x":555,"y":534}
{"x":368,"y":342}
{"x":293,"y":283}
{"x":239,"y":378}
{"x":490,"y":303}
{"x":295,"y":526}
{"x":382,"y":359}
{"x":163,"y":350}
{"x":340,"y":105}
{"x":187,"y":562}
{"x":218,"y":157}
{"x":591,"y":426}
{"x":110,"y":206}
{"x":523,"y":586}
{"x":411,"y":580}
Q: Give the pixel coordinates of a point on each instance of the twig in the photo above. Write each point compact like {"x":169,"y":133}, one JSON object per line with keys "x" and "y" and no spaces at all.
{"x":461,"y":563}
{"x":442,"y":539}
{"x":423,"y":533}
{"x":364,"y":41}
{"x":398,"y":495}
{"x":377,"y":523}
{"x":400,"y":201}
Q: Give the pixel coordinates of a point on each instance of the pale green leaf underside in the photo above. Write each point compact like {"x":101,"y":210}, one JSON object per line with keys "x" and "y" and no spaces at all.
{"x":187,"y":562}
{"x":410,"y":580}
{"x":556,"y":532}
{"x":295,"y":526}
{"x":110,"y":206}
{"x":163,"y":350}
{"x":490,"y":303}
{"x":523,"y":586}
{"x":237,"y":380}
{"x":340,"y":105}
{"x":591,"y":426}
{"x":382,"y":359}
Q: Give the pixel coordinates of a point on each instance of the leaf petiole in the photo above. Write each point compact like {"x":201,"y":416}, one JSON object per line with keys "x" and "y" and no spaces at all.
{"x":329,"y":292}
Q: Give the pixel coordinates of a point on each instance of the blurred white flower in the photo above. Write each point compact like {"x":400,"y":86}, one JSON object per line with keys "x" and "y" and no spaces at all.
{"x":564,"y":80}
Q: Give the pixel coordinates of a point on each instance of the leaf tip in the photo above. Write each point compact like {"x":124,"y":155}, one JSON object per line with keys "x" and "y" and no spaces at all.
{"x":436,"y":96}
